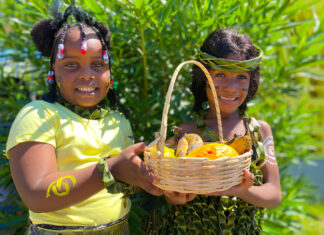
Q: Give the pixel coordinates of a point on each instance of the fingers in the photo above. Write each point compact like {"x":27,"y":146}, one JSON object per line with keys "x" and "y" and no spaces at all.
{"x":147,"y":173}
{"x":150,"y":188}
{"x":190,"y":197}
{"x":177,"y":198}
{"x":248,"y":176}
{"x":139,"y":148}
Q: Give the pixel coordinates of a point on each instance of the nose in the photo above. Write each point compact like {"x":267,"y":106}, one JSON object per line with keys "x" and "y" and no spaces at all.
{"x":86,"y":74}
{"x":230,"y":85}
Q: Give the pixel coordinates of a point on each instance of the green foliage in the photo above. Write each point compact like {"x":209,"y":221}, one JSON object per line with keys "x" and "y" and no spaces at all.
{"x":149,"y":39}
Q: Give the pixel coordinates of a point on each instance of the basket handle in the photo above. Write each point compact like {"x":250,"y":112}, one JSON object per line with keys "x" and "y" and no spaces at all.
{"x":164,"y":122}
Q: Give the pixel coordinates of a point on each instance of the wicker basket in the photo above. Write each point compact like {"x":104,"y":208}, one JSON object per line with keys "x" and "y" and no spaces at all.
{"x":194,"y":175}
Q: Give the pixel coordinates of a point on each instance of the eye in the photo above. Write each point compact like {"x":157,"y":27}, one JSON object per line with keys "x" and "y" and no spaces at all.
{"x":71,"y":65}
{"x":242,"y":77}
{"x":98,"y":65}
{"x":220,"y":75}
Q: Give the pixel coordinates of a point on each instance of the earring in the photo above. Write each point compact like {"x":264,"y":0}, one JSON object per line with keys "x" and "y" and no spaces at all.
{"x":60,"y":51}
{"x":84,"y":47}
{"x":50,"y":80}
{"x":105,"y":56}
{"x":112,"y":84}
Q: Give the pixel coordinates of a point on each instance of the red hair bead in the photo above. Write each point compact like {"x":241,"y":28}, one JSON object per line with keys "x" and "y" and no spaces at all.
{"x":50,"y":77}
{"x":83,"y":47}
{"x":60,"y":51}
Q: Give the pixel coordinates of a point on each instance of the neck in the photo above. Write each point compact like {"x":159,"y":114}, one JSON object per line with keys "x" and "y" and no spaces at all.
{"x":211,"y":114}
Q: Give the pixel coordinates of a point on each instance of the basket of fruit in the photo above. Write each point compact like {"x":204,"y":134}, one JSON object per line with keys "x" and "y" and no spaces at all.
{"x":194,"y":166}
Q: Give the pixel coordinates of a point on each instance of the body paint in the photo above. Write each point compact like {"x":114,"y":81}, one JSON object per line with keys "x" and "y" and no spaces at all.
{"x":216,"y":87}
{"x":57,"y":185}
{"x":59,"y":81}
{"x":268,"y":145}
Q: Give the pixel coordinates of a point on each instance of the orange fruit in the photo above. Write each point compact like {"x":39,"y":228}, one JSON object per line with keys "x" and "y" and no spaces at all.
{"x":214,"y":151}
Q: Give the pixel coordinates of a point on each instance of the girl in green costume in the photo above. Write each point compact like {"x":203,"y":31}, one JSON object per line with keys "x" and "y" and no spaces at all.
{"x":69,"y":152}
{"x":233,"y":62}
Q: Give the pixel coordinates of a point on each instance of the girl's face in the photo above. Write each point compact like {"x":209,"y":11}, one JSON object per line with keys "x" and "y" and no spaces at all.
{"x":83,"y":80}
{"x":231,"y":88}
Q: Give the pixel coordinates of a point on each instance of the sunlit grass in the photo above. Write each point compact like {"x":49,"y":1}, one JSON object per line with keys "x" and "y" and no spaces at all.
{"x":314,"y":225}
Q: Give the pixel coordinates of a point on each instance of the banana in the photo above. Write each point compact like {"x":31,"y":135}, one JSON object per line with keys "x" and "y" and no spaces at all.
{"x":188,"y":143}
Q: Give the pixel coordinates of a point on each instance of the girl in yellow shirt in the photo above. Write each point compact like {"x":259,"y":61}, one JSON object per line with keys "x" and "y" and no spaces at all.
{"x":69,"y":151}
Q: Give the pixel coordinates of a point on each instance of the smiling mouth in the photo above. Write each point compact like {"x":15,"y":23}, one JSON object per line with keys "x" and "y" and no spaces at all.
{"x":227,"y":98}
{"x":86,"y":89}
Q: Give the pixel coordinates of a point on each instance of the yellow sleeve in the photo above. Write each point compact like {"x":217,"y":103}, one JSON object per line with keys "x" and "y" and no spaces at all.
{"x":129,"y":138}
{"x":35,"y":122}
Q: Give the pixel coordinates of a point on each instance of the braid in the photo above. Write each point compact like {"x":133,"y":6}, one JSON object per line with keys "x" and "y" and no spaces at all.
{"x":81,"y":28}
{"x":51,"y":96}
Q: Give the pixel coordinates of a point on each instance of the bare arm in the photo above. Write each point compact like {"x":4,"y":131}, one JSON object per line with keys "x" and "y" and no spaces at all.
{"x":43,"y":188}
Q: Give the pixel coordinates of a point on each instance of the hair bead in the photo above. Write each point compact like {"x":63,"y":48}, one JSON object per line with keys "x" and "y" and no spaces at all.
{"x":105,"y":56}
{"x":84,"y":47}
{"x":60,"y":51}
{"x":50,"y":77}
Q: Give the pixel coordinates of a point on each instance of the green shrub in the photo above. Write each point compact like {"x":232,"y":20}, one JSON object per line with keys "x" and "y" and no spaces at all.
{"x":149,"y":39}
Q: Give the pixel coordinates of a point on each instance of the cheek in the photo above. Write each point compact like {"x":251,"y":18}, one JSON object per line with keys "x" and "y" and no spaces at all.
{"x":59,"y":81}
{"x":245,"y":86}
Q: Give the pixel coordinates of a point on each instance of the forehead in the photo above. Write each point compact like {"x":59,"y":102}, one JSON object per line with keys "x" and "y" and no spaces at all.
{"x":73,"y":35}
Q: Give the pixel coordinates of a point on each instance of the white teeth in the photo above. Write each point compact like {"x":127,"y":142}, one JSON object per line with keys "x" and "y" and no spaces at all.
{"x":225,"y":98}
{"x":86,"y":89}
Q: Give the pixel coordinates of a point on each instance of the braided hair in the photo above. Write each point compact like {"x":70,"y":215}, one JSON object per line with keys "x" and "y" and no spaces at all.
{"x":222,"y":43}
{"x":49,"y":33}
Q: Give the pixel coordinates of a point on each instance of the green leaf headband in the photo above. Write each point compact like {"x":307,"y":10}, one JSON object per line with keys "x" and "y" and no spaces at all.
{"x":234,"y":66}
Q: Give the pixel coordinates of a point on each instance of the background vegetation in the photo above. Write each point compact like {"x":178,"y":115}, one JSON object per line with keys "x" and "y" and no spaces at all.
{"x":150,"y":38}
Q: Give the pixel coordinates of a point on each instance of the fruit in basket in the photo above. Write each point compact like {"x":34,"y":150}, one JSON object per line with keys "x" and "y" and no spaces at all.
{"x":214,"y":151}
{"x":168,"y":152}
{"x":188,"y":143}
{"x":241,"y":144}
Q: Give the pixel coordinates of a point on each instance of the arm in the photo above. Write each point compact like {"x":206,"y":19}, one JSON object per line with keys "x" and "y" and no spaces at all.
{"x":43,"y":188}
{"x":267,"y":195}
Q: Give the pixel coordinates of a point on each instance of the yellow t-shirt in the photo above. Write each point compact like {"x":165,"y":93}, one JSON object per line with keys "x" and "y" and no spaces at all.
{"x":79,"y":143}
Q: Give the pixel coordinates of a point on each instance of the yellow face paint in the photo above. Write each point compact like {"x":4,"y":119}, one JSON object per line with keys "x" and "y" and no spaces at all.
{"x":58,"y":84}
{"x":56,"y":186}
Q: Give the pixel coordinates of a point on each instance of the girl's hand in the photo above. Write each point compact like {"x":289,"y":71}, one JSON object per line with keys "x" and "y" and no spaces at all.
{"x":247,"y":182}
{"x":176,"y":198}
{"x":129,"y":168}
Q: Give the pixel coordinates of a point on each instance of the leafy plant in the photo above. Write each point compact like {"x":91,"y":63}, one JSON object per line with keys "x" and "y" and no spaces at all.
{"x":149,"y":39}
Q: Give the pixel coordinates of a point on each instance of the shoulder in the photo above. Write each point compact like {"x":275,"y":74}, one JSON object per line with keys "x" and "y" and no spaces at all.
{"x":265,"y":129}
{"x":38,"y":108}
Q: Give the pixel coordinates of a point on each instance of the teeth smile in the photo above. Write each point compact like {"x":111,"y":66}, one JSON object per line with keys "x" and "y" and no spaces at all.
{"x":86,"y":89}
{"x":229,"y":99}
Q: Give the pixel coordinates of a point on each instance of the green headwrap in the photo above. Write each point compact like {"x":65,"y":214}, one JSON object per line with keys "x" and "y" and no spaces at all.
{"x":234,"y":66}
